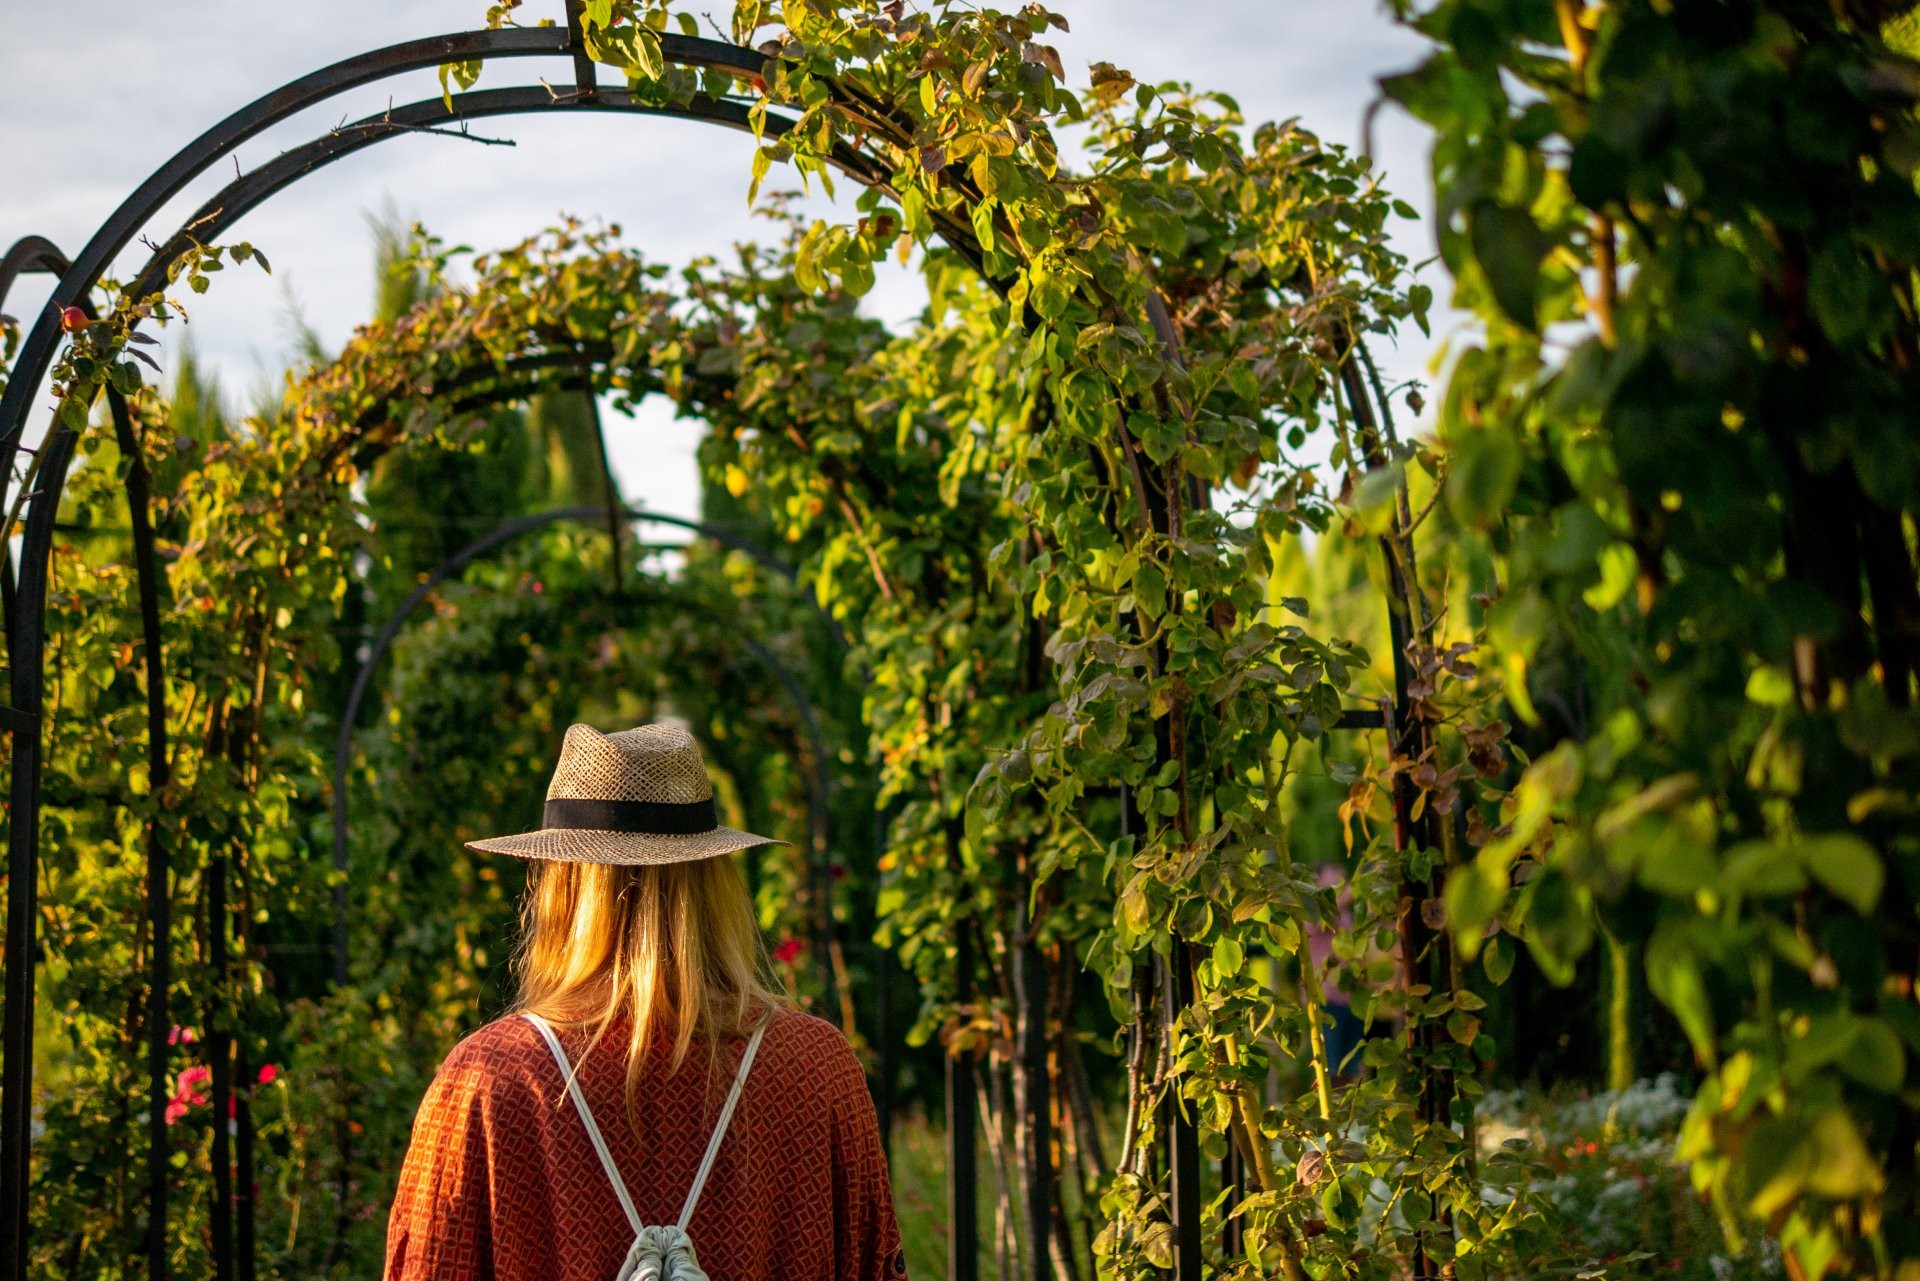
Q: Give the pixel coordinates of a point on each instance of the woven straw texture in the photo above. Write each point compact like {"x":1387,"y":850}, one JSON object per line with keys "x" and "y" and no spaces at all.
{"x":650,"y":763}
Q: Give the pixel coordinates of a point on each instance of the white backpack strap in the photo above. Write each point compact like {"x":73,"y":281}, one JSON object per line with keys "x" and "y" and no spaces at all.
{"x":720,"y":1127}
{"x":586,"y":1119}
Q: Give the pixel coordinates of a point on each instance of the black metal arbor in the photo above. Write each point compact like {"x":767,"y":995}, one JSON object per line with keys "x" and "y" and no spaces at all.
{"x":26,"y":600}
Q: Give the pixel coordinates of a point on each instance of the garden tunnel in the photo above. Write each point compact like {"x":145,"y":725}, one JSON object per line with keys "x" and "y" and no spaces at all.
{"x":26,"y":614}
{"x":27,"y":598}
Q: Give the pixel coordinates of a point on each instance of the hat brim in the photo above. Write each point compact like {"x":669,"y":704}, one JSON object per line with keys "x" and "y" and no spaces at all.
{"x":640,"y":849}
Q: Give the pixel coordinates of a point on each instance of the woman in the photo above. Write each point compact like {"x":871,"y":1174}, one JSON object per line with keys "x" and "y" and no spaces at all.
{"x":651,"y":1099}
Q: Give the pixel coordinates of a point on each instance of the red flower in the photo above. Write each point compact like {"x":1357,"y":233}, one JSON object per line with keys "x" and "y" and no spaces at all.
{"x":268,"y":1073}
{"x":180,"y":1035}
{"x":194,"y":1075}
{"x":73,"y":319}
{"x":176,"y":1108}
{"x":788,"y":951}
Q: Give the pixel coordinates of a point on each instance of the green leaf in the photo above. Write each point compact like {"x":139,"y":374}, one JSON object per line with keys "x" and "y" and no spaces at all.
{"x":1674,"y":975}
{"x":1497,"y":959}
{"x":73,"y":413}
{"x":1051,"y":294}
{"x":1764,"y":868}
{"x":464,"y":74}
{"x":1842,"y":1167}
{"x":647,"y":55}
{"x":1769,"y":687}
{"x":1483,"y":468}
{"x":1849,"y":297}
{"x":1475,"y":894}
{"x":1376,"y":497}
{"x":1509,"y":245}
{"x":1771,"y":1167}
{"x":1875,"y":1057}
{"x":1340,"y":1202}
{"x":1150,"y":590}
{"x":1847,"y":866}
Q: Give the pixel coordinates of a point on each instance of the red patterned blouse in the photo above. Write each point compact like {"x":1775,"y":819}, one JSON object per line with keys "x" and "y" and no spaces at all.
{"x":501,"y":1182}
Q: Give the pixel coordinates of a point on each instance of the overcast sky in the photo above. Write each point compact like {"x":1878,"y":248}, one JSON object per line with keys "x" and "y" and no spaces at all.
{"x":96,"y":94}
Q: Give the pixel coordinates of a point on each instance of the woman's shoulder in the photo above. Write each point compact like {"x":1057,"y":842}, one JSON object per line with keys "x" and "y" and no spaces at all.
{"x":508,"y":1041}
{"x":796,"y":1030}
{"x":505,"y":1056}
{"x":800,"y":1040}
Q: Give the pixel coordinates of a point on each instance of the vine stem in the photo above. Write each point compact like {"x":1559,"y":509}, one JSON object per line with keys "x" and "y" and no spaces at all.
{"x":1246,"y":1110}
{"x":1310,"y":996}
{"x":1311,"y":991}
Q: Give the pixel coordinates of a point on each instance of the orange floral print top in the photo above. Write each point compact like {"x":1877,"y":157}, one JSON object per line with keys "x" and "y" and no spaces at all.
{"x":501,"y":1182}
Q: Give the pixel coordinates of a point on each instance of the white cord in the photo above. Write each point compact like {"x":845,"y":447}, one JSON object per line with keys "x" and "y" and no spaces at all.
{"x":720,"y":1128}
{"x":600,"y":1143}
{"x":586,"y":1117}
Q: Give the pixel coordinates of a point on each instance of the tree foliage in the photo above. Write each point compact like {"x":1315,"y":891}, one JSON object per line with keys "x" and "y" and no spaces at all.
{"x":1688,"y":434}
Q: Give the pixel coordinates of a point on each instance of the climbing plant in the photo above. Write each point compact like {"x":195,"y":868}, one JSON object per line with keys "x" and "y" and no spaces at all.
{"x":1181,"y":316}
{"x":1686,"y":431}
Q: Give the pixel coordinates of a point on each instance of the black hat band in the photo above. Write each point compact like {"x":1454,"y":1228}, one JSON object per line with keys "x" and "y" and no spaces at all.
{"x":658,"y":818}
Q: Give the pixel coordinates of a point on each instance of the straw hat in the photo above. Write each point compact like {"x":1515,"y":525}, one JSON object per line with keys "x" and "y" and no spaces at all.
{"x":639,"y":796}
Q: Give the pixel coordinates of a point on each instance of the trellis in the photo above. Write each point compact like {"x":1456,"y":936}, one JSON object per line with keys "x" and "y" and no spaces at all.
{"x":25,"y":601}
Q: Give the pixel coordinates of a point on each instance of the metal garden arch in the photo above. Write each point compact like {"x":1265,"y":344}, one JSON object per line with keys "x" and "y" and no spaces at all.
{"x":25,"y":606}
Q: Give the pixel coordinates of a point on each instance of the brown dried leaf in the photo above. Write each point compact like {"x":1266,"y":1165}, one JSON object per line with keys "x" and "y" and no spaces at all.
{"x":1311,"y":1169}
{"x":1046,"y":56}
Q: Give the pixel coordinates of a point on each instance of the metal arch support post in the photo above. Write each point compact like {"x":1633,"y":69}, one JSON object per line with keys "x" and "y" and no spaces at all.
{"x":963,"y":1106}
{"x":36,"y":253}
{"x":27,"y":255}
{"x":1183,"y":1131}
{"x":139,"y":488}
{"x":26,"y":646}
{"x":363,"y":679}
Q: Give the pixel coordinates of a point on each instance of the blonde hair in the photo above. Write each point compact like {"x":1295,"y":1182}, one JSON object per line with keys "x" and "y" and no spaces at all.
{"x":675,"y":948}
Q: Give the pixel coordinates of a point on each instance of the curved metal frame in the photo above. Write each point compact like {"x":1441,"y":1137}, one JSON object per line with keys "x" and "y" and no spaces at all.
{"x":25,"y":611}
{"x":25,"y":604}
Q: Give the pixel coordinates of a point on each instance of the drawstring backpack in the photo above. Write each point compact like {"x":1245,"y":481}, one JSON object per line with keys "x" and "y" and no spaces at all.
{"x":658,"y":1254}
